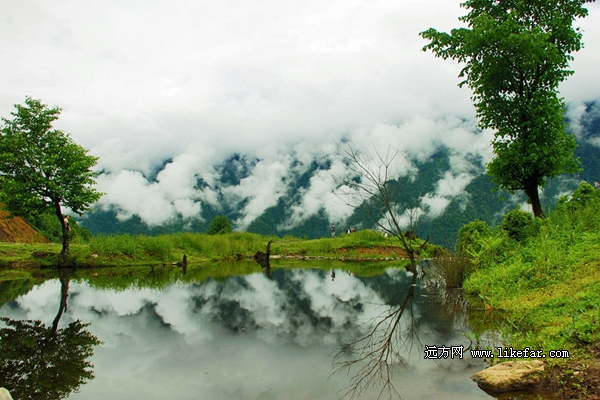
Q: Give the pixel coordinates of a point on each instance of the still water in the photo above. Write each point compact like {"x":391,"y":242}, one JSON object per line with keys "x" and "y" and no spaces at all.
{"x":252,"y":337}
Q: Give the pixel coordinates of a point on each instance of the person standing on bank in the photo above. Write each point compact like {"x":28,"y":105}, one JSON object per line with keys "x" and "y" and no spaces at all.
{"x":332,"y":231}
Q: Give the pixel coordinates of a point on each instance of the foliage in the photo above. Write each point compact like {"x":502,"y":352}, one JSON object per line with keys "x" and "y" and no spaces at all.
{"x":518,"y":224}
{"x":36,"y":363}
{"x":10,"y":289}
{"x":469,"y":235}
{"x":583,"y":196}
{"x":550,"y":282}
{"x":42,"y":168}
{"x":220,"y":225}
{"x":481,"y":245}
{"x":516,"y":53}
{"x":49,"y":226}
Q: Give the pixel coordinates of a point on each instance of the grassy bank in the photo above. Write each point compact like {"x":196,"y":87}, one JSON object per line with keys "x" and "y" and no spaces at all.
{"x":545,"y":274}
{"x":199,"y":248}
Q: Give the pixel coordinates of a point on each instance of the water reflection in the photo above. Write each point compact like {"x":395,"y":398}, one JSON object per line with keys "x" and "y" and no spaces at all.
{"x":248,"y":336}
{"x":378,"y":354}
{"x":44,"y":362}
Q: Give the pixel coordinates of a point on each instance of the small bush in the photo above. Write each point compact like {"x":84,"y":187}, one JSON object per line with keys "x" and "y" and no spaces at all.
{"x":469,"y":236}
{"x":220,"y":225}
{"x":518,"y":224}
{"x":584,"y":195}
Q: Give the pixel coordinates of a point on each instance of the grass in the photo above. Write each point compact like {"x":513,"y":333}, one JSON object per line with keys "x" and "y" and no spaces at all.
{"x":111,"y":250}
{"x":548,"y":284}
{"x":362,"y":244}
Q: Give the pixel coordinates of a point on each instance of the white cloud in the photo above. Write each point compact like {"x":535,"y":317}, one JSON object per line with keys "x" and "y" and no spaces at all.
{"x":262,"y":189}
{"x":196,"y":81}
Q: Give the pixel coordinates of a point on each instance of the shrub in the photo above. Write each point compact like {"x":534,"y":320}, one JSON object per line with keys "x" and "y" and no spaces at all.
{"x":584,"y":195}
{"x":448,"y":271}
{"x":220,"y":225}
{"x":469,"y":236}
{"x":518,"y":224}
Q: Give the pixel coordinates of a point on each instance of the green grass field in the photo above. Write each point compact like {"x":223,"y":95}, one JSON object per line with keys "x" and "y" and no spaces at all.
{"x":128,"y":250}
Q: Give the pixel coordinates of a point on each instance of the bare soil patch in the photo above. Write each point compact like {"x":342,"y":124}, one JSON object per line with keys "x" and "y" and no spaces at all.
{"x":16,"y":230}
{"x":379,"y":251}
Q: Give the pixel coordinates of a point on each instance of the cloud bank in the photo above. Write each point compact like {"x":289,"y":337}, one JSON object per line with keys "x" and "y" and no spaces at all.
{"x":166,"y":93}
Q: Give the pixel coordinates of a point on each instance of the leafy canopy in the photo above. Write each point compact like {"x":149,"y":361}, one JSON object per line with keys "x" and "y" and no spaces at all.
{"x":515,"y":54}
{"x":41,"y":167}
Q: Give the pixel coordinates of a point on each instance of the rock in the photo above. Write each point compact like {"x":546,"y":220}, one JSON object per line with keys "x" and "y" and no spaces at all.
{"x":510,"y":376}
{"x":4,"y":394}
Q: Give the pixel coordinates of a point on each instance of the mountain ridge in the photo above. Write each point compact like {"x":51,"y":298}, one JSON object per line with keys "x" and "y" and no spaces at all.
{"x":452,"y":188}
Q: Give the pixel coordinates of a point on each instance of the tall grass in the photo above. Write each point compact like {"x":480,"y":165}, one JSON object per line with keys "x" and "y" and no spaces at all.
{"x":219,"y":246}
{"x":551,"y":280}
{"x":448,"y":271}
{"x":166,"y":247}
{"x":131,"y":247}
{"x":123,"y":249}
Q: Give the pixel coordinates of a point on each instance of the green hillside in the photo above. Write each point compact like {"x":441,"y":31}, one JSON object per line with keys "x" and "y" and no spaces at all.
{"x":478,"y":200}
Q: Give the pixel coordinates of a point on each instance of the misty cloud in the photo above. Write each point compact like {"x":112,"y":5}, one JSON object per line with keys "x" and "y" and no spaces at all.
{"x":165,"y":93}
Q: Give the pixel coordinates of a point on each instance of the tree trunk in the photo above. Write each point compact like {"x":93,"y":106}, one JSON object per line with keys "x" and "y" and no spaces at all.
{"x":64,"y":294}
{"x":63,"y":258}
{"x":533,"y":194}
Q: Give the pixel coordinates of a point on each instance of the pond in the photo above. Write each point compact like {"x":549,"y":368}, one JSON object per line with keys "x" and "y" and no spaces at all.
{"x":257,"y":336}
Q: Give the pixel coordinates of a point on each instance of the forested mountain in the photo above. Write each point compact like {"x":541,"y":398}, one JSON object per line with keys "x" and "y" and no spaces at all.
{"x":286,"y":209}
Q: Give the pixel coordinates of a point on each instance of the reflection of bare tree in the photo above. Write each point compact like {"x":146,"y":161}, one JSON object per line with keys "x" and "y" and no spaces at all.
{"x":40,"y":362}
{"x":377,"y":353}
{"x":373,"y":188}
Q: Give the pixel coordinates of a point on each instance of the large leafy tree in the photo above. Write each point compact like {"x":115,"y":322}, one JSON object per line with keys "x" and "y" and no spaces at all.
{"x":43,"y":168}
{"x":515,"y":54}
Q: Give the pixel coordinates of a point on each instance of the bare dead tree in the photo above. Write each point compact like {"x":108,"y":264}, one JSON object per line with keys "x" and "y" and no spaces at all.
{"x":372,"y":188}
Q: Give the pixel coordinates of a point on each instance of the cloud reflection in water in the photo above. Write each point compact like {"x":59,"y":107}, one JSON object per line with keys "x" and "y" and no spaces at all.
{"x":247,"y":337}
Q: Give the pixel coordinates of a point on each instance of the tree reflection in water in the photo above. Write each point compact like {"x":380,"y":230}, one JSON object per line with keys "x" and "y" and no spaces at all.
{"x":377,"y":353}
{"x":41,"y":362}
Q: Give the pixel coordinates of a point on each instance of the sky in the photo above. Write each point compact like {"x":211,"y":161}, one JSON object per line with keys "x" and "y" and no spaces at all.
{"x":141,"y":82}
